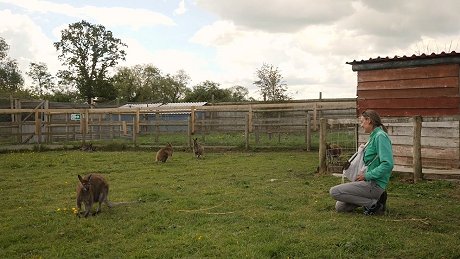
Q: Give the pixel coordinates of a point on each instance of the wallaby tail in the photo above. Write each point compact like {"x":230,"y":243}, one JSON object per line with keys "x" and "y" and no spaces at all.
{"x":120,"y":203}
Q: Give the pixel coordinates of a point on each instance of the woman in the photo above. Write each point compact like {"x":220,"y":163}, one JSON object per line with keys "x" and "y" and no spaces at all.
{"x":368,"y":190}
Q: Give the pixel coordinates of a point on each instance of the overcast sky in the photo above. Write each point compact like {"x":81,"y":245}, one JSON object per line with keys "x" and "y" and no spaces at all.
{"x":226,"y":41}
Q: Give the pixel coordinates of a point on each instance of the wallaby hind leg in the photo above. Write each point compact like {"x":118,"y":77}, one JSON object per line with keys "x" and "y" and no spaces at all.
{"x":88,"y":207}
{"x":102,"y":199}
{"x":99,"y":206}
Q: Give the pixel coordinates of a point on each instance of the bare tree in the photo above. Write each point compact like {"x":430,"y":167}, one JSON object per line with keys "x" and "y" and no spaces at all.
{"x":271,"y":84}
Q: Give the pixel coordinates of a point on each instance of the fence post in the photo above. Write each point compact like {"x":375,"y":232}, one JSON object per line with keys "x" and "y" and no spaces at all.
{"x":157,"y":126}
{"x":308,"y":131}
{"x":124,"y":128}
{"x":18,"y":117}
{"x":134,"y":128}
{"x":111,"y":136}
{"x":46,"y":126}
{"x":322,"y":146}
{"x":38,"y":126}
{"x":83,"y":125}
{"x":48,"y":118}
{"x":417,"y":148}
{"x":250,"y":113}
{"x":189,"y":131}
{"x":138,"y":119}
{"x":99,"y":127}
{"x":246,"y":131}
{"x":315,"y":117}
{"x":192,"y":116}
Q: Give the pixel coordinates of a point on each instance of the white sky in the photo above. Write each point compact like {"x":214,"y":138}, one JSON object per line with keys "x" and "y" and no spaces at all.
{"x":226,"y":41}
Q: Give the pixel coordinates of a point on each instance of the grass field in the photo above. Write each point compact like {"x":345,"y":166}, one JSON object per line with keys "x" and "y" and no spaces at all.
{"x":228,"y":205}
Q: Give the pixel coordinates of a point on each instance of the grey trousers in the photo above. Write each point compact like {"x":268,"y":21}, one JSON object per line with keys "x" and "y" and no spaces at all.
{"x":351,"y":195}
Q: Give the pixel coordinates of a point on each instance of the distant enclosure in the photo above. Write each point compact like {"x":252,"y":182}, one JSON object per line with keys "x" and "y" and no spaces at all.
{"x":293,"y":124}
{"x":429,"y":142}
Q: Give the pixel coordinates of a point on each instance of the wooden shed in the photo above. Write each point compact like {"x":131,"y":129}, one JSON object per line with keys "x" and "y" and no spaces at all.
{"x":425,"y":86}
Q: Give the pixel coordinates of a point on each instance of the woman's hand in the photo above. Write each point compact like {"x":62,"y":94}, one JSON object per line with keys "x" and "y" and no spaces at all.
{"x":360,"y":176}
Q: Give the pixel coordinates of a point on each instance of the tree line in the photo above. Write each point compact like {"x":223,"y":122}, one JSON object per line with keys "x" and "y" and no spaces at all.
{"x":90,"y":53}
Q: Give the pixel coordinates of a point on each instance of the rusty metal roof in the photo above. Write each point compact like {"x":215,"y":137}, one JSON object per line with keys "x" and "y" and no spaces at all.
{"x":406,"y":61}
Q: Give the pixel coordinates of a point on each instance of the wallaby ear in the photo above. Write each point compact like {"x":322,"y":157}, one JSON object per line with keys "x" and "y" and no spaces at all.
{"x":89,"y":177}
{"x":79,"y":178}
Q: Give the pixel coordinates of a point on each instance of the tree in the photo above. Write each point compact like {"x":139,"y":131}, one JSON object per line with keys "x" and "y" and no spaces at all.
{"x":271,"y":83}
{"x":4,"y":47}
{"x":239,"y":93}
{"x":89,"y":51}
{"x":11,"y":79}
{"x":209,"y":91}
{"x":139,"y":83}
{"x":125,"y":84}
{"x":43,"y":81}
{"x":174,"y":87}
{"x":146,"y":83}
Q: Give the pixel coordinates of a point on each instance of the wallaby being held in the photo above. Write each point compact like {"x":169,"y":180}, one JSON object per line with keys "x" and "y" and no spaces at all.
{"x":164,"y":153}
{"x":198,"y":149}
{"x":92,"y":188}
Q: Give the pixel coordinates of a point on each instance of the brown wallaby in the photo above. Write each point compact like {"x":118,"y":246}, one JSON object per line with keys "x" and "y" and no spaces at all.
{"x":92,"y":188}
{"x":164,"y":153}
{"x":198,"y":150}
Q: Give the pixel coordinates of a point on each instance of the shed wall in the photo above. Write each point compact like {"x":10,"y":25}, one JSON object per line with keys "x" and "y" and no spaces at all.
{"x":426,"y":91}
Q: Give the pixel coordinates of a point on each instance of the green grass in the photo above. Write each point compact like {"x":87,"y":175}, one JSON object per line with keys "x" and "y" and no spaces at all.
{"x":228,"y":205}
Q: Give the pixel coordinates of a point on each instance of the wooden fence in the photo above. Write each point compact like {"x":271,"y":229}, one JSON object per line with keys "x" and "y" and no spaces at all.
{"x":45,"y":125}
{"x":419,"y":143}
{"x":430,"y":144}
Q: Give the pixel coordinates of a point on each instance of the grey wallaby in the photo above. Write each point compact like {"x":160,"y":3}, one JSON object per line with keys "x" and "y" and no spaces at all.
{"x":198,"y":149}
{"x":164,"y":153}
{"x":92,"y":188}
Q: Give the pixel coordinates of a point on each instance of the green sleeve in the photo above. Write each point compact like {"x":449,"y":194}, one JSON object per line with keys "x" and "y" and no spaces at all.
{"x":380,"y":169}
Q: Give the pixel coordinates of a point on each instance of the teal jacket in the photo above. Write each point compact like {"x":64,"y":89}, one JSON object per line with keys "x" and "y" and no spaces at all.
{"x":378,"y":157}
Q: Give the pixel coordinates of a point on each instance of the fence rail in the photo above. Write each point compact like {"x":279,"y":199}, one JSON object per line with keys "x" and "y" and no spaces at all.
{"x":419,"y":143}
{"x":48,"y":125}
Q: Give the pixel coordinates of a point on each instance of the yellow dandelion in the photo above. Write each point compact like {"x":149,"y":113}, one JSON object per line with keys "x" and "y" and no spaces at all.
{"x":58,"y":209}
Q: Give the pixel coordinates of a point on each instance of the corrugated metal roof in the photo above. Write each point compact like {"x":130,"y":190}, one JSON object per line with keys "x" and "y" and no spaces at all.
{"x":184,"y":104}
{"x":399,"y":58}
{"x":405,"y":61}
{"x":141,"y":105}
{"x":164,"y":106}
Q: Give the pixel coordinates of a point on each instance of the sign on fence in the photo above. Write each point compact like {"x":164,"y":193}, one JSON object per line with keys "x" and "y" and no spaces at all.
{"x":75,"y":116}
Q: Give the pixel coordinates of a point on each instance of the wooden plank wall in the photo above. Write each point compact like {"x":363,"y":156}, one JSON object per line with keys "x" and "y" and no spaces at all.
{"x":425,"y":91}
{"x":440,"y":143}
